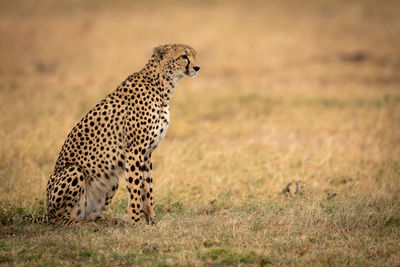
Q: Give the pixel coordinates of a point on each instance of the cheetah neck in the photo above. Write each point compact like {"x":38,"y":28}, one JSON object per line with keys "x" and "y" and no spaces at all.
{"x":161,"y":77}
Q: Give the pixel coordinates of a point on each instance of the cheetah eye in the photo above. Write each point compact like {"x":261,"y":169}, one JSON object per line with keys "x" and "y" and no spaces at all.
{"x":184,"y":57}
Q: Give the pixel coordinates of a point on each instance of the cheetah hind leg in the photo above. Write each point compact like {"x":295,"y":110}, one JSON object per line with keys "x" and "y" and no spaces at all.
{"x":67,"y":202}
{"x":66,"y":199}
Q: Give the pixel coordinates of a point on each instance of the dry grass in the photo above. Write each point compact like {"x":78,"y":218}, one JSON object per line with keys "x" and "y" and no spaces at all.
{"x":305,"y":90}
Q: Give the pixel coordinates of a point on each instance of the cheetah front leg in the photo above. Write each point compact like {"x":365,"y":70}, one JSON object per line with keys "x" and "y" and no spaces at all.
{"x":134,"y":178}
{"x":147,"y":195}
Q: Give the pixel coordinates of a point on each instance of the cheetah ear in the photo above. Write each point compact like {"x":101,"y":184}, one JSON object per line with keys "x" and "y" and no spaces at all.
{"x":159,"y":52}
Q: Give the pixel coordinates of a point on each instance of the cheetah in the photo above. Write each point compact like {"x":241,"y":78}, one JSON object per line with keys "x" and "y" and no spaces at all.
{"x":116,"y":140}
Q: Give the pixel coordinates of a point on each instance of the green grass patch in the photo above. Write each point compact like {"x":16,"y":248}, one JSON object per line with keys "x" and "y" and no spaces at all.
{"x":226,"y":255}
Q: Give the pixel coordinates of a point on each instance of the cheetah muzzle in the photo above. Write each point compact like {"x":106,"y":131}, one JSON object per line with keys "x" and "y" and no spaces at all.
{"x":116,"y":140}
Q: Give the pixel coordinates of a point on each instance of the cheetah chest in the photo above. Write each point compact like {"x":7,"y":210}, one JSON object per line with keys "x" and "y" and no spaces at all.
{"x":161,"y":127}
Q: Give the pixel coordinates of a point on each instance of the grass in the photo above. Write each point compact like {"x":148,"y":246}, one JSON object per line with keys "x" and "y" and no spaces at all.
{"x":288,"y":91}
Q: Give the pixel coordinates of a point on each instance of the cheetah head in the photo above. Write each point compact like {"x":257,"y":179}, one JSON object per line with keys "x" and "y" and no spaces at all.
{"x":177,"y":60}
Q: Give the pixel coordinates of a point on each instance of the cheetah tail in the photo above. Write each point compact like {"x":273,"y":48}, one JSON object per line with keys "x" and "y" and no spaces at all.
{"x":40,"y":219}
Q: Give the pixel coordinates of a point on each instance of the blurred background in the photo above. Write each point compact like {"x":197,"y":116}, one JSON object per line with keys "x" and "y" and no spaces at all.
{"x":305,"y":90}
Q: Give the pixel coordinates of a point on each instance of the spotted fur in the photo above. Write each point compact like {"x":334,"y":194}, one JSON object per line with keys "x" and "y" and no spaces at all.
{"x":115,"y":140}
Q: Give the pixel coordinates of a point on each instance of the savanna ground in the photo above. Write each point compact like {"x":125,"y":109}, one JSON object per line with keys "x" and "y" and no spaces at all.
{"x":288,"y":90}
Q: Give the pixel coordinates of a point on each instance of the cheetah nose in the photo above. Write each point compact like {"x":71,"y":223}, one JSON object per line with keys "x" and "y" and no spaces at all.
{"x":196,"y":68}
